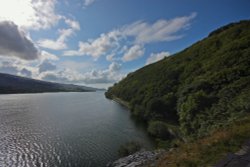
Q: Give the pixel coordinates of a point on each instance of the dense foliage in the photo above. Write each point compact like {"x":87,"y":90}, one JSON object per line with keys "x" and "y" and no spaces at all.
{"x":198,"y":89}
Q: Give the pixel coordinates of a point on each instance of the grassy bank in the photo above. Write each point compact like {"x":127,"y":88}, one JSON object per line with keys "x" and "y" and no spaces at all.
{"x":210,"y":149}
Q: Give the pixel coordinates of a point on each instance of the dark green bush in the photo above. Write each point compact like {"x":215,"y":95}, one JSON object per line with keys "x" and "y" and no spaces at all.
{"x":159,"y":130}
{"x":129,"y":148}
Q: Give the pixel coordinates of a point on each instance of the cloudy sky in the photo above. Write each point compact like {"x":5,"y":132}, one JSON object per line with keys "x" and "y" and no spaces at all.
{"x":98,"y":42}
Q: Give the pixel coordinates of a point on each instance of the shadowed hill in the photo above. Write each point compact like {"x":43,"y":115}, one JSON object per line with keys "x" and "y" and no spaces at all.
{"x":15,"y":84}
{"x":201,"y":88}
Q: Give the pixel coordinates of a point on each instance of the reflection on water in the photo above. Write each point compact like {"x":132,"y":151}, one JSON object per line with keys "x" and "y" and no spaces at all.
{"x":63,"y":129}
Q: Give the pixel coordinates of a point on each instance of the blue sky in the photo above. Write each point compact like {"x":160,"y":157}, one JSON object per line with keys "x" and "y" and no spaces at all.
{"x":98,"y":42}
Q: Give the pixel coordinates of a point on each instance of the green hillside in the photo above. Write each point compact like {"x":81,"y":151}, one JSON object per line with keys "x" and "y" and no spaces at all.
{"x":201,"y":88}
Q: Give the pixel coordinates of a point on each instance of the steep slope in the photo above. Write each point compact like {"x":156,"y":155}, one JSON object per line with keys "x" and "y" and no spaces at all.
{"x":196,"y":90}
{"x":15,"y":84}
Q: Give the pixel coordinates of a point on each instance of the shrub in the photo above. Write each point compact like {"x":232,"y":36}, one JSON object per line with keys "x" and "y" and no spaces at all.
{"x":129,"y":148}
{"x":159,"y":130}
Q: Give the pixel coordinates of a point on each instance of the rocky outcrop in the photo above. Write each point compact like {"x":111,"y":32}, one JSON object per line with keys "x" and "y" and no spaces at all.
{"x":239,"y":159}
{"x":139,"y":159}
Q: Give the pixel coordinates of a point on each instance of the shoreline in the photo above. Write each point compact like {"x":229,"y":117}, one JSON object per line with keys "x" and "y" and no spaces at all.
{"x":46,"y":92}
{"x":121,"y":102}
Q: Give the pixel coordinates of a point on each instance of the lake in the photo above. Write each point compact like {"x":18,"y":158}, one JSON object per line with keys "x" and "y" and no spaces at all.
{"x":64,"y":129}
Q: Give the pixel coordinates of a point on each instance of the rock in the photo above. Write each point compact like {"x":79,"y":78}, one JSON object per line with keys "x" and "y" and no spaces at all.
{"x":138,"y":159}
{"x":239,"y":159}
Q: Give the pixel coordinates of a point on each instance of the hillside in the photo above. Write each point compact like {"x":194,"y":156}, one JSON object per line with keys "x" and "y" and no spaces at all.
{"x":202,"y":88}
{"x":15,"y":84}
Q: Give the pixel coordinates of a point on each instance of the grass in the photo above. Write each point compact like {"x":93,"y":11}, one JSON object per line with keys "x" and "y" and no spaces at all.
{"x":210,"y":149}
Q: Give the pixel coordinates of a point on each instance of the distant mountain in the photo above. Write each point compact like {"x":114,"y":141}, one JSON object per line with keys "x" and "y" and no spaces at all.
{"x":16,"y":84}
{"x":201,"y":88}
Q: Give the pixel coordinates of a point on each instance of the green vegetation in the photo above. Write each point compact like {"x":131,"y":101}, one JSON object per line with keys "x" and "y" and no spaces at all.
{"x":208,"y":150}
{"x":200,"y":89}
{"x":129,"y":148}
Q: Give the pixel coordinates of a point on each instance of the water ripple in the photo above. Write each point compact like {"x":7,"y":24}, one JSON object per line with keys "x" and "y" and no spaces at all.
{"x":62,"y":130}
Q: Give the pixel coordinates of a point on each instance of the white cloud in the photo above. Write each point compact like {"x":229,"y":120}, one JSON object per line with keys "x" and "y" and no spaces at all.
{"x":154,"y":57}
{"x":110,"y":75}
{"x":95,"y":48}
{"x":14,"y":43}
{"x":58,"y":44}
{"x":63,"y":72}
{"x":47,"y":56}
{"x":25,"y":72}
{"x":35,"y":15}
{"x":72,"y":23}
{"x":135,"y":35}
{"x":46,"y":66}
{"x":161,"y":30}
{"x":114,"y":67}
{"x":110,"y":57}
{"x":29,"y":14}
{"x":51,"y":44}
{"x":7,"y":67}
{"x":56,"y":76}
{"x":64,"y":34}
{"x":78,"y":66}
{"x":133,"y":53}
{"x":88,"y":2}
{"x":15,"y":67}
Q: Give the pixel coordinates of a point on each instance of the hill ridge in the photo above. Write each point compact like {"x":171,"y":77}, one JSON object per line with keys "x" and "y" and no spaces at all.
{"x":196,"y":90}
{"x":18,"y":84}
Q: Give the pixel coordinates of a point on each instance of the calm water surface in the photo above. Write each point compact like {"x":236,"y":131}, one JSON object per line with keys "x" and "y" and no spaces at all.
{"x":63,"y":129}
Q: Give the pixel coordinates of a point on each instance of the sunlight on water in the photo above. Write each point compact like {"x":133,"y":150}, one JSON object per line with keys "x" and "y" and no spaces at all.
{"x":63,"y":129}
